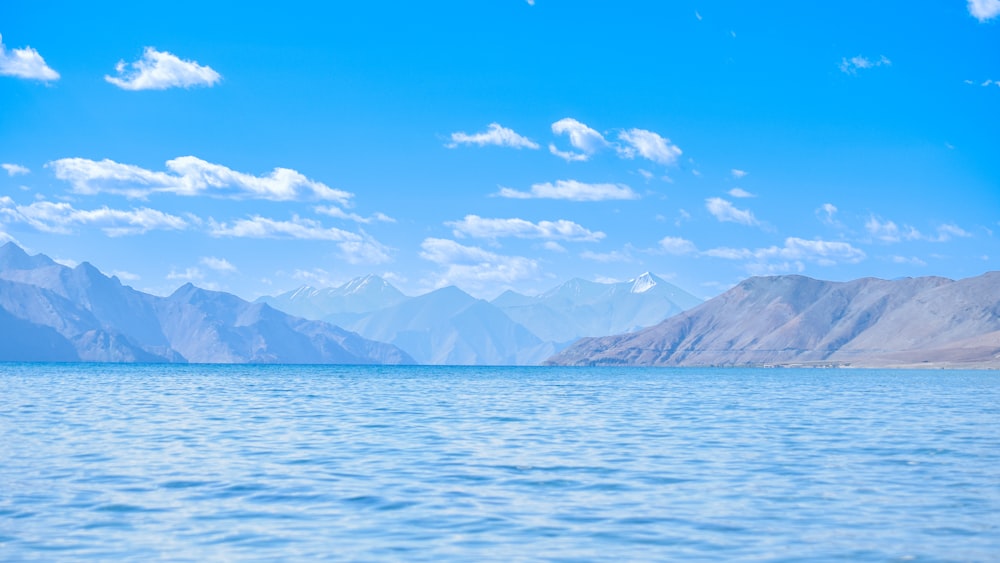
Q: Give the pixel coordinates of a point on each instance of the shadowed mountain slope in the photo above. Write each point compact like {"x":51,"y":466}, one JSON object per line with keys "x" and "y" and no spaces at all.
{"x":79,"y":314}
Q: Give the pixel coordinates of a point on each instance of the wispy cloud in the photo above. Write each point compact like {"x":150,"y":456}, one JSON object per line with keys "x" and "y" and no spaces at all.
{"x":677,"y":246}
{"x":648,"y":145}
{"x":825,"y":253}
{"x":190,"y":176}
{"x":479,"y":227}
{"x":475,"y":268}
{"x":188,"y":274}
{"x":61,"y":218}
{"x":356,"y":248}
{"x":889,"y":231}
{"x":740,"y":193}
{"x":495,"y":134}
{"x":725,"y":211}
{"x":159,"y":70}
{"x":338,"y":213}
{"x":853,"y":64}
{"x":264,"y":227}
{"x":614,"y":256}
{"x":572,"y":190}
{"x":737,"y":173}
{"x":218,"y":264}
{"x":827,"y":214}
{"x":581,"y":137}
{"x":25,"y":63}
{"x":984,"y":10}
{"x":15,"y":169}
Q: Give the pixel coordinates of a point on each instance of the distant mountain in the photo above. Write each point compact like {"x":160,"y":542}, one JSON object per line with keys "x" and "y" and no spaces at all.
{"x":337,"y":304}
{"x":449,"y":326}
{"x":584,"y":308}
{"x":795,"y":320}
{"x":78,"y":314}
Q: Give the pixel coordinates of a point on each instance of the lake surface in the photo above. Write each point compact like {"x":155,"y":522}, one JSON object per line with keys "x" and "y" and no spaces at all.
{"x":506,"y":464}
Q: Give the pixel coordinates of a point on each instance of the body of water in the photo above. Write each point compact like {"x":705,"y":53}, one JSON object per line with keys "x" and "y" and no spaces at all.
{"x":440,"y":463}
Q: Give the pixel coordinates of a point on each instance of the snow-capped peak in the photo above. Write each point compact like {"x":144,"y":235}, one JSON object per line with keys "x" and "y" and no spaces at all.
{"x":643,"y":283}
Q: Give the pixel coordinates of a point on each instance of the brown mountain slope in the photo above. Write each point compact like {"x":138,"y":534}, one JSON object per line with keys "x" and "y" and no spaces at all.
{"x":795,"y":320}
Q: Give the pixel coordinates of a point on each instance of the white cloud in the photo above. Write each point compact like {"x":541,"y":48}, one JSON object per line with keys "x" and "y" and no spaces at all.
{"x":159,"y":70}
{"x":60,"y":218}
{"x":494,"y":135}
{"x":189,"y":274}
{"x":339,"y":213}
{"x":607,"y":257}
{"x":355,"y":248}
{"x":725,"y":211}
{"x":984,"y":10}
{"x":573,"y":191}
{"x":740,"y":192}
{"x":677,"y":245}
{"x":125,"y":276}
{"x":826,"y":213}
{"x":479,"y":227}
{"x":852,"y":65}
{"x":553,"y":246}
{"x":737,"y":173}
{"x":15,"y":169}
{"x":24,"y":63}
{"x":947,"y":231}
{"x":263,"y":227}
{"x":913,"y":260}
{"x":5,"y":238}
{"x":475,"y":268}
{"x":649,"y":145}
{"x":825,"y":253}
{"x":888,"y":231}
{"x":218,"y":264}
{"x":582,"y":137}
{"x":190,"y":176}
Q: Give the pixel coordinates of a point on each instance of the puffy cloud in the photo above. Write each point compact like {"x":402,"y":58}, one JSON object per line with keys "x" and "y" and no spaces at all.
{"x":648,"y":145}
{"x":826,"y":253}
{"x":852,"y":65}
{"x":479,"y":227}
{"x":494,"y":135}
{"x":475,"y":268}
{"x":339,"y":213}
{"x":60,"y":218}
{"x":15,"y":169}
{"x":725,"y":211}
{"x":159,"y":70}
{"x":984,"y":10}
{"x":740,"y":192}
{"x":190,"y":176}
{"x":582,"y":137}
{"x":218,"y":264}
{"x":24,"y":63}
{"x":677,"y":246}
{"x":573,"y":191}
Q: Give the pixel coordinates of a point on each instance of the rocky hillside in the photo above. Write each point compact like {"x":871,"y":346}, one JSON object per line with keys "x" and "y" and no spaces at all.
{"x":795,"y":320}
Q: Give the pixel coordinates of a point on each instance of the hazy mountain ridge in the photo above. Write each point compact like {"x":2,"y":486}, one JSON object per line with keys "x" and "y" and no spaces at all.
{"x":580,"y":308}
{"x":449,"y":326}
{"x":79,"y":314}
{"x":792,"y":320}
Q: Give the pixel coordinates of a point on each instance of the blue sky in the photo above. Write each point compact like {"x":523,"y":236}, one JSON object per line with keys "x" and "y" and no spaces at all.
{"x":501,"y":144}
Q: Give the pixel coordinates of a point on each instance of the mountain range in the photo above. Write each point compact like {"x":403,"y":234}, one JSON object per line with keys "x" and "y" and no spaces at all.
{"x":796,"y":320}
{"x":449,"y":326}
{"x":50,"y":312}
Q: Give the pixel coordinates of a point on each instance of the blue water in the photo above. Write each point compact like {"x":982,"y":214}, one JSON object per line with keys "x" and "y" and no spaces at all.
{"x":506,"y":464}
